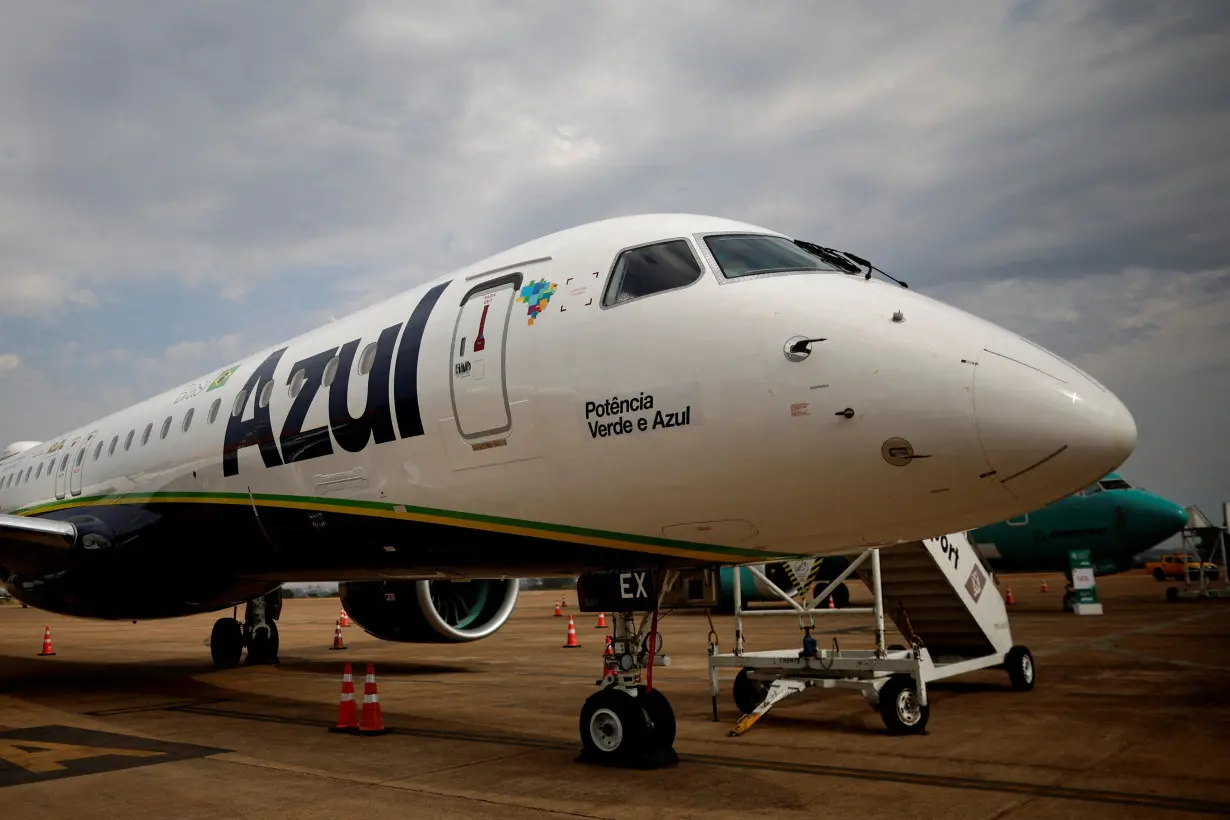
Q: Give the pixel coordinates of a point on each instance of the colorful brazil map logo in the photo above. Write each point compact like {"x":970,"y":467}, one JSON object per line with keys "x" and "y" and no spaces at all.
{"x":536,"y":295}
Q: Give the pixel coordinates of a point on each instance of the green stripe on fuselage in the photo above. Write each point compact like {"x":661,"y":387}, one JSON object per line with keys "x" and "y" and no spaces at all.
{"x":707,"y":553}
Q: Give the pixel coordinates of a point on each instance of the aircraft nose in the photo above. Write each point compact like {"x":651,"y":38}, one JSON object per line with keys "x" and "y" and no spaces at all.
{"x":1169,"y":519}
{"x":1044,"y":425}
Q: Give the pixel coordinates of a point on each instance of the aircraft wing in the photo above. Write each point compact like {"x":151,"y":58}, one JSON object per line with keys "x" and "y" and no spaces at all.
{"x":29,"y":543}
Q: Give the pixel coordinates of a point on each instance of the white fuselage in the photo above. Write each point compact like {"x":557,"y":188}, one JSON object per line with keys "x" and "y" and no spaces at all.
{"x":744,"y":452}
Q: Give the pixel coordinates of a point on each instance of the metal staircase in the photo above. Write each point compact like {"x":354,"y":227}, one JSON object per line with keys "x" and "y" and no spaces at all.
{"x":939,"y":594}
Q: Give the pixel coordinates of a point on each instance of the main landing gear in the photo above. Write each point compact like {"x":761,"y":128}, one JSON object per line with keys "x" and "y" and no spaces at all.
{"x":629,"y":722}
{"x":258,"y":632}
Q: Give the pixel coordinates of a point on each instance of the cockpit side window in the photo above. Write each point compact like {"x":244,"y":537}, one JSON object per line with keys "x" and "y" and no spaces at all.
{"x":740,"y":255}
{"x":1114,"y":484}
{"x":651,"y":269}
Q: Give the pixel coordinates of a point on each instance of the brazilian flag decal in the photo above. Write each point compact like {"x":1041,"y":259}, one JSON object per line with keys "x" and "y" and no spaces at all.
{"x":222,"y":378}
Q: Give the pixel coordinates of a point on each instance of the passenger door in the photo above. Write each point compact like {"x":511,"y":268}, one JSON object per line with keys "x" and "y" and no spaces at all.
{"x":62,"y":462}
{"x":478,"y":387}
{"x":78,"y":462}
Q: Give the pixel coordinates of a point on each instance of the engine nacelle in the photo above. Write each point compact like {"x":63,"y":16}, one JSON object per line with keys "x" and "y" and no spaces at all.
{"x":430,"y":611}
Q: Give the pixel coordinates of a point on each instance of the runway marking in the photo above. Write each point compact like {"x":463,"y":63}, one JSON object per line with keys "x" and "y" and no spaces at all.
{"x":1007,"y":787}
{"x":248,"y":763}
{"x":131,"y":710}
{"x":40,"y":753}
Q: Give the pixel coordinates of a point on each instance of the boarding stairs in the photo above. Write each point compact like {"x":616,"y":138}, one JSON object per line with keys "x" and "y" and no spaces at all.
{"x":939,"y":594}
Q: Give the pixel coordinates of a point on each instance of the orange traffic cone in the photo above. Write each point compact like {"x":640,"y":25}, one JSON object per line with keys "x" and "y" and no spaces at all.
{"x":563,"y":603}
{"x":347,"y":711}
{"x":601,"y":621}
{"x":557,"y":612}
{"x":607,"y":653}
{"x":372,"y":721}
{"x":337,"y":637}
{"x":1045,"y":588}
{"x":572,"y":642}
{"x":1009,"y":599}
{"x":46,"y":642}
{"x":831,"y":604}
{"x":344,"y":620}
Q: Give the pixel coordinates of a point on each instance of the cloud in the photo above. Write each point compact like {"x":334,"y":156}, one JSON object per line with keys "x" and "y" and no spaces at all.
{"x":8,"y":363}
{"x":236,"y":171}
{"x":1124,"y":327}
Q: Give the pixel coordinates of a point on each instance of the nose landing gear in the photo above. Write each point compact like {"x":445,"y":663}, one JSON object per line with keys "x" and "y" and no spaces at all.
{"x":628,"y":723}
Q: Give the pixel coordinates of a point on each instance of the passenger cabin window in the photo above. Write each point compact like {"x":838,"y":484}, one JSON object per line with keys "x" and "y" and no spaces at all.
{"x":149,"y":428}
{"x":39,"y":473}
{"x":651,"y":269}
{"x":166,"y":428}
{"x":98,"y":450}
{"x":128,"y":441}
{"x":739,"y":255}
{"x":1018,"y":522}
{"x":366,"y":359}
{"x":266,"y":394}
{"x":188,"y":419}
{"x":297,"y":381}
{"x":111,"y":450}
{"x":29,"y":472}
{"x":213,"y":410}
{"x":326,"y":378}
{"x":241,"y":400}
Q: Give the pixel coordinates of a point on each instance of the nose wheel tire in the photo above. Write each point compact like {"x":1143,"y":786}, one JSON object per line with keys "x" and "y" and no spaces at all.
{"x":263,"y":644}
{"x":899,"y":707}
{"x":619,"y":729}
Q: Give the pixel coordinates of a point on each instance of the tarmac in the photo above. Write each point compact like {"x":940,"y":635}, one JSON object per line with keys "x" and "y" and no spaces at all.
{"x":1129,"y":719}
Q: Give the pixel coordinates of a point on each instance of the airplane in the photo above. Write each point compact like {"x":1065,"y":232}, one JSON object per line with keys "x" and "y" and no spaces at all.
{"x":660,"y":394}
{"x":1112,"y":519}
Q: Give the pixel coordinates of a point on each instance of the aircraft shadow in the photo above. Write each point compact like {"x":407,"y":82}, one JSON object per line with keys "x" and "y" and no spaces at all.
{"x":383,"y":668}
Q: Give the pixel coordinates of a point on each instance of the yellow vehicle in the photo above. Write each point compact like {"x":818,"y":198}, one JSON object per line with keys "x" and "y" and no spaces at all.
{"x":1173,"y":565}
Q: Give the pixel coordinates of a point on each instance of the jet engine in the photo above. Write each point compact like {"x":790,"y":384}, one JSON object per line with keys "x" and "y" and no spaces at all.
{"x":430,"y":611}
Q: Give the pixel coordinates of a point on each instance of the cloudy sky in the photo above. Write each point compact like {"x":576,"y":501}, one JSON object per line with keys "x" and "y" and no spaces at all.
{"x":181,"y":183}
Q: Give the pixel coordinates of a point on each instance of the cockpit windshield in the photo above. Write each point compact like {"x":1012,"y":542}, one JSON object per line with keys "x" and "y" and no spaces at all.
{"x":756,"y":254}
{"x":1115,"y":483}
